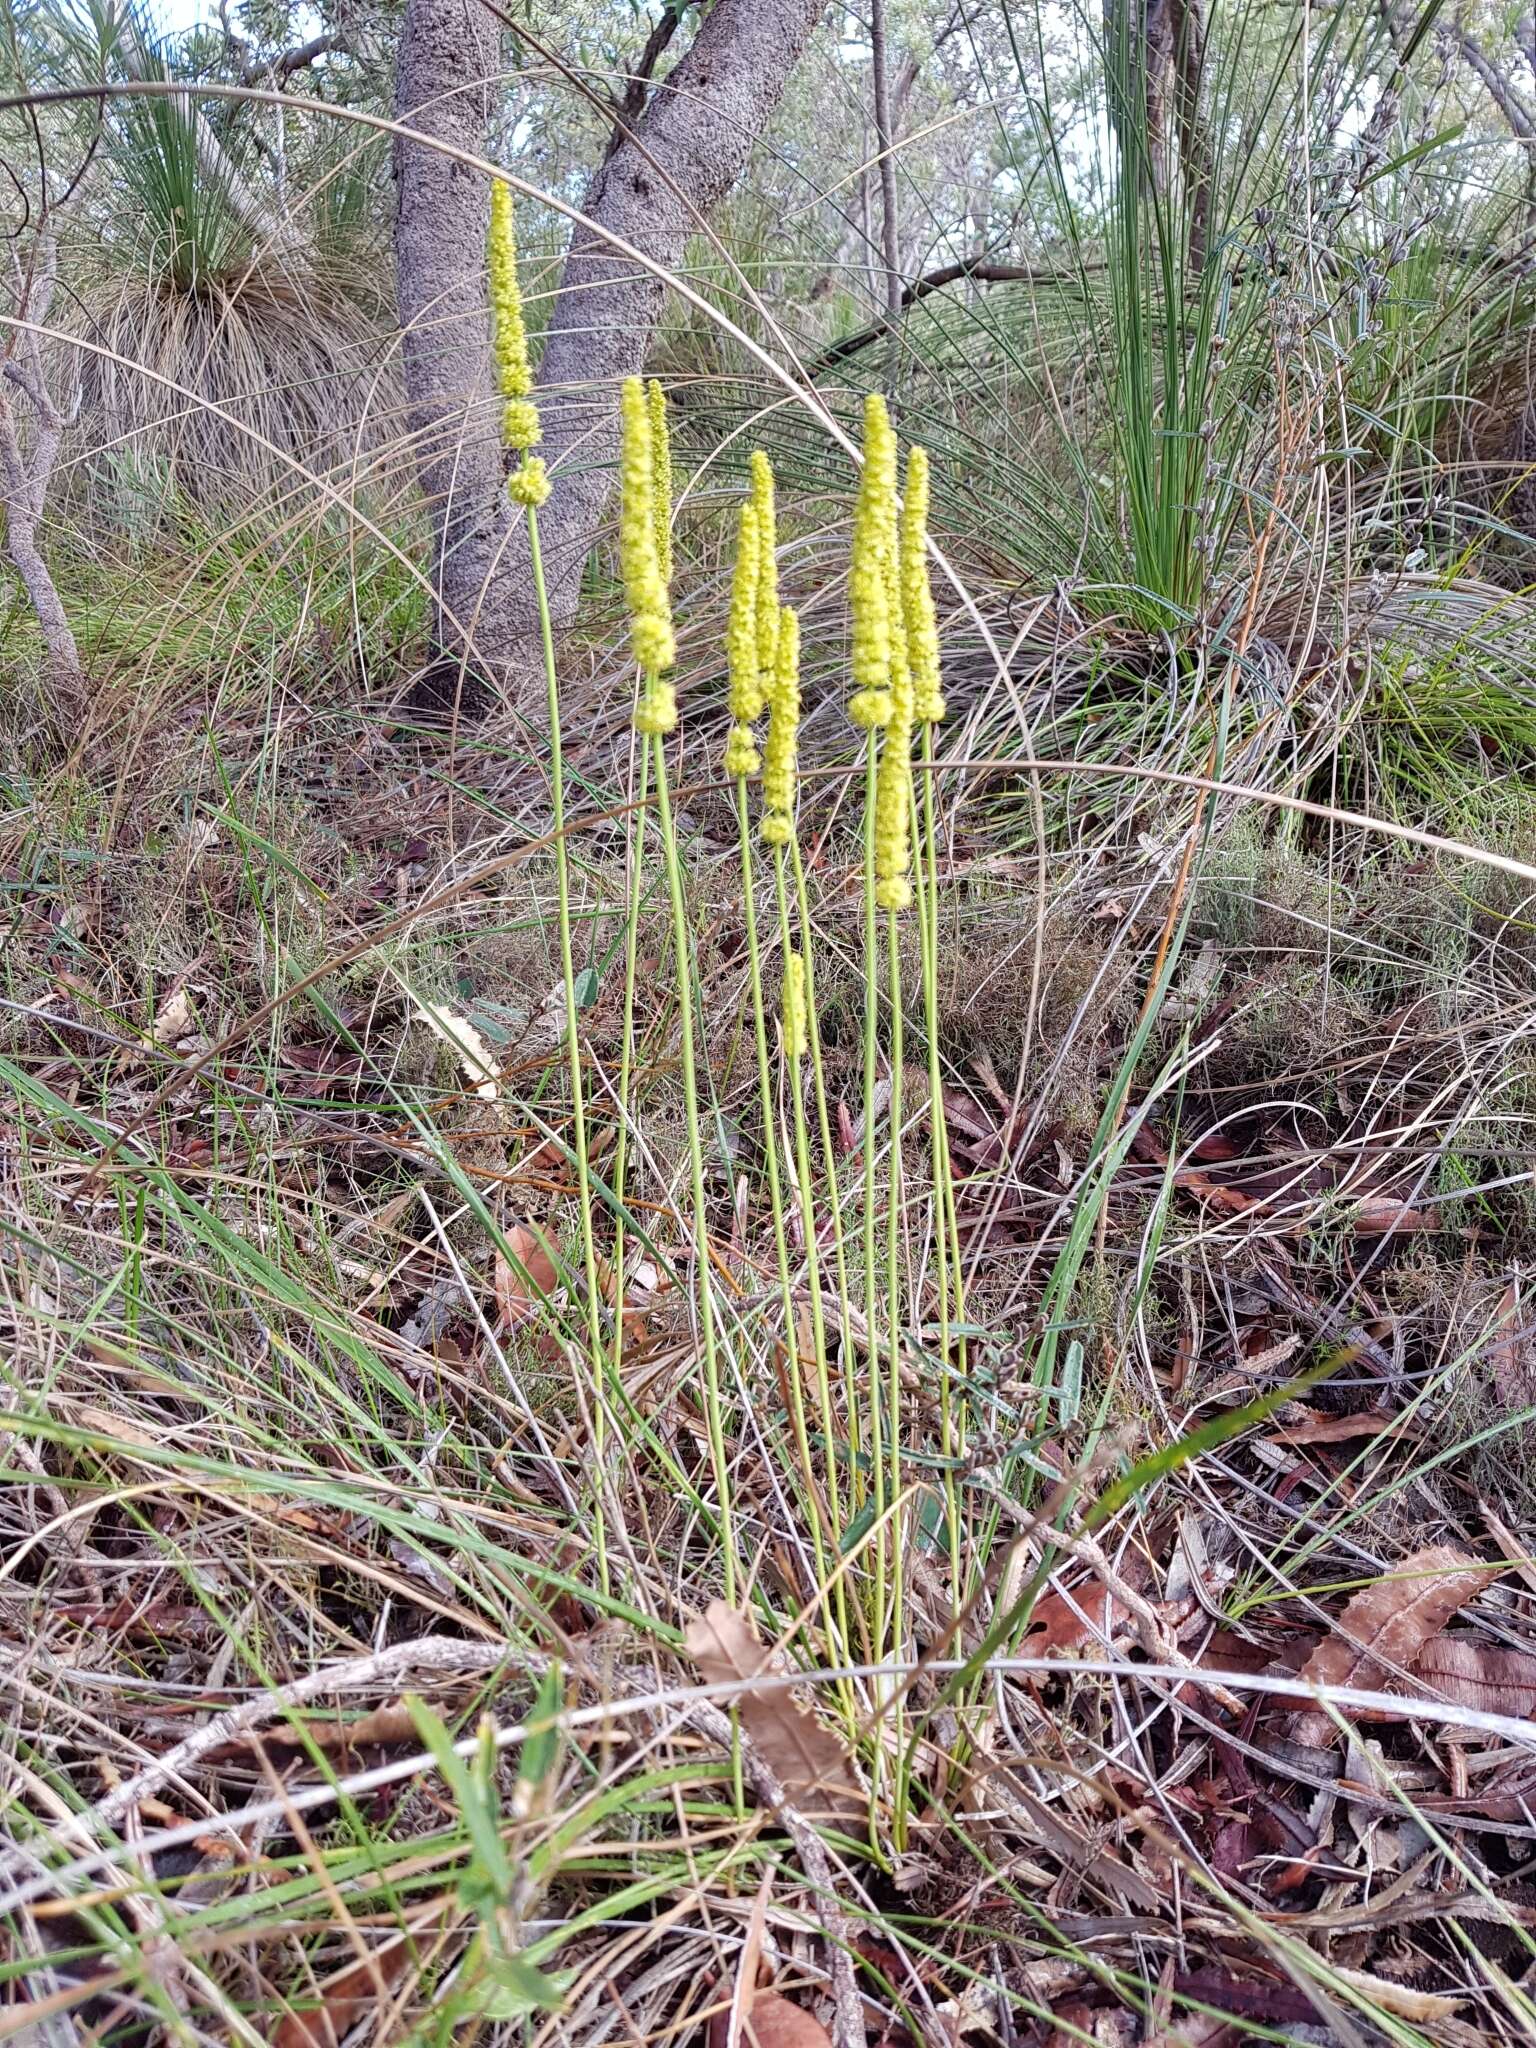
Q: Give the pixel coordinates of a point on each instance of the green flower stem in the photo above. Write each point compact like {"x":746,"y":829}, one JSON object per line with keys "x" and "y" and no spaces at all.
{"x":946,"y":1235}
{"x":893,"y":1251}
{"x":573,"y":1044}
{"x":776,"y":1186}
{"x":683,"y":954}
{"x":626,"y":1054}
{"x":807,"y":1196}
{"x":828,"y":1155}
{"x":871,"y":1292}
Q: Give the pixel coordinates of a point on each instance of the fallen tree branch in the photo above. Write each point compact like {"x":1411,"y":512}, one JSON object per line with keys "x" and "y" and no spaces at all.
{"x":979,"y":272}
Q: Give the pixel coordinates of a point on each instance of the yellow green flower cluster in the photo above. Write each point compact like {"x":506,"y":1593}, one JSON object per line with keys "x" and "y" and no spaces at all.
{"x":661,"y":471}
{"x":520,"y":428}
{"x":781,"y":753}
{"x":796,"y":1015}
{"x":895,"y":641}
{"x":752,"y":643}
{"x":642,"y":514}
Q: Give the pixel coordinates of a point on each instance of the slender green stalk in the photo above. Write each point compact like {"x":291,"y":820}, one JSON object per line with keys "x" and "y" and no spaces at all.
{"x":876,"y":1451}
{"x":626,"y":1053}
{"x":584,"y":1192}
{"x":776,"y":1185}
{"x":828,"y":1152}
{"x":682,"y":951}
{"x":946,"y":1234}
{"x":893,"y":1248}
{"x":808,"y":1200}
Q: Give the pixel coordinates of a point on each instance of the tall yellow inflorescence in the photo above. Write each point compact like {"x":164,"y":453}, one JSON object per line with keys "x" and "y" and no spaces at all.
{"x":650,"y":610}
{"x":661,"y":470}
{"x":917,"y":594}
{"x":869,"y":581}
{"x":768,"y":569}
{"x":746,"y":679}
{"x":895,"y":642}
{"x":520,"y":428}
{"x":796,"y":1015}
{"x":781,"y":753}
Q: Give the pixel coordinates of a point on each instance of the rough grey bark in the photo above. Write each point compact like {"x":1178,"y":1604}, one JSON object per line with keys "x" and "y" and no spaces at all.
{"x":450,"y":54}
{"x":679,"y":159}
{"x":885,"y":137}
{"x":26,"y":468}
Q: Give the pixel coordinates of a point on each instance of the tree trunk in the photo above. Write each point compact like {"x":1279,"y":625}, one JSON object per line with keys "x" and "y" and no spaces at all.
{"x":450,"y":55}
{"x":890,"y":220}
{"x":25,"y":474}
{"x":680,"y":158}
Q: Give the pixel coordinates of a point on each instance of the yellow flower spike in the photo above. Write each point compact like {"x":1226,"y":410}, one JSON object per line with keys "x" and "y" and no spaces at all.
{"x":529,"y":485}
{"x":661,"y":473}
{"x":747,"y":695}
{"x":917,"y":594}
{"x":768,"y":567}
{"x":650,"y":613}
{"x":509,"y":333}
{"x":657,"y":710}
{"x":893,"y":837}
{"x":869,"y":592}
{"x":795,"y":1017}
{"x":741,"y":755}
{"x":781,"y":753}
{"x":520,"y":424}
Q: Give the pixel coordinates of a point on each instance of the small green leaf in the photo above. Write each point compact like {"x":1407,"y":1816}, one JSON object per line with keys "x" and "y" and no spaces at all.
{"x":585,"y":988}
{"x":514,"y":1988}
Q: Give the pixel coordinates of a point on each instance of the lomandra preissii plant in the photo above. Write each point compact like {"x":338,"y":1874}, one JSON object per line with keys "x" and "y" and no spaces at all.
{"x":844,"y":1360}
{"x":846,"y":1310}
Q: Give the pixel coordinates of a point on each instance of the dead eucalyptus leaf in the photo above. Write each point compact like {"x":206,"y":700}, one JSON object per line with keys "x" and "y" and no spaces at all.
{"x":477,"y":1062}
{"x":1401,"y":1999}
{"x":1494,"y":1681}
{"x":174,"y":1018}
{"x":808,"y":1760}
{"x":1385,"y":1628}
{"x":518,"y":1292}
{"x":771,"y":2022}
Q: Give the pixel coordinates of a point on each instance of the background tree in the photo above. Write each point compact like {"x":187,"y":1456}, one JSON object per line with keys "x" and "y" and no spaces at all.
{"x":669,"y":163}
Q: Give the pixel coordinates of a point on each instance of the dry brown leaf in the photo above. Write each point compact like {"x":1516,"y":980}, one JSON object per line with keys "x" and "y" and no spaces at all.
{"x":1494,"y":1681}
{"x":1384,"y":1215}
{"x":1385,"y":1628}
{"x":772,"y":2022}
{"x":347,"y":1997}
{"x":174,"y":1018}
{"x":808,"y":1760}
{"x":477,"y":1062}
{"x":1401,"y":1999}
{"x":1338,"y":1429}
{"x":382,"y":1727}
{"x":516,"y":1299}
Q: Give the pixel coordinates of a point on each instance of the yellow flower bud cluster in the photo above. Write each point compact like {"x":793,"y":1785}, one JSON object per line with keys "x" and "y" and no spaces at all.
{"x":917,"y":594}
{"x":895,"y":641}
{"x":746,"y":680}
{"x":781,"y":753}
{"x":661,"y":472}
{"x":869,"y":584}
{"x":753,"y":641}
{"x":520,"y":428}
{"x":796,"y":1015}
{"x":650,"y":610}
{"x":768,"y":569}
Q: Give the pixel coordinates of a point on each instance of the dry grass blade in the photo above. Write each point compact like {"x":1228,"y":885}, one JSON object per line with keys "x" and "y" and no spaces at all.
{"x":808,"y":1760}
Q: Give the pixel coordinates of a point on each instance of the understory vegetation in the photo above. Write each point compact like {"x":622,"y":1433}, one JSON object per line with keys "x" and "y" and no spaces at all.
{"x":816,"y":1327}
